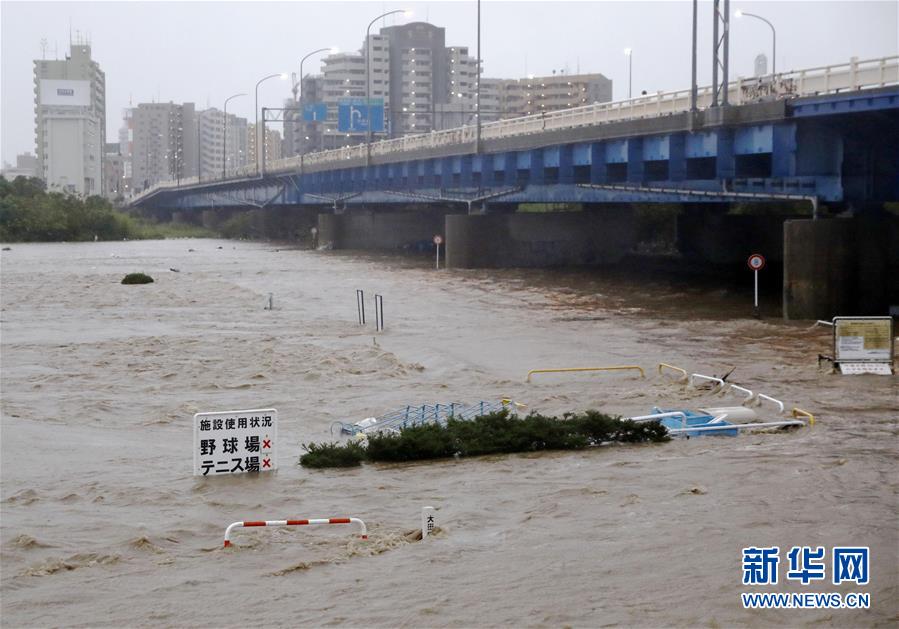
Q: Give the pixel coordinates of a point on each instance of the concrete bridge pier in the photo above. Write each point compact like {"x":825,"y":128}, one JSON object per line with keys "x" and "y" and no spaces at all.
{"x":412,"y":229}
{"x":841,"y":266}
{"x":707,"y":233}
{"x":594,"y":236}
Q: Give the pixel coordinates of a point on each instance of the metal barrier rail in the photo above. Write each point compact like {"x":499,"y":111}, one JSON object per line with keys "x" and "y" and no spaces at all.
{"x":798,"y":412}
{"x":685,"y":376}
{"x":779,"y":404}
{"x":749,"y":394}
{"x":855,"y":75}
{"x":363,"y":530}
{"x":788,"y":422}
{"x":657,"y":416}
{"x":569,"y":369}
{"x":699,"y":376}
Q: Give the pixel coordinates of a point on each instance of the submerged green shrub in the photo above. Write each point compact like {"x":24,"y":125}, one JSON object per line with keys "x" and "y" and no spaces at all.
{"x":494,"y":433}
{"x":137,"y":278}
{"x":332,"y":454}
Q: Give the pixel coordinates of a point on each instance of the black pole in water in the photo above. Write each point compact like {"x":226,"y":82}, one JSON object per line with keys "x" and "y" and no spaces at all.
{"x":360,"y":305}
{"x":379,"y":313}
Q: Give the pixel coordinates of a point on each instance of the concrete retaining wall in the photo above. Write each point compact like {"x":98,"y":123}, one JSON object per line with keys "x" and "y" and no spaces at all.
{"x":539,"y":239}
{"x":376,"y":230}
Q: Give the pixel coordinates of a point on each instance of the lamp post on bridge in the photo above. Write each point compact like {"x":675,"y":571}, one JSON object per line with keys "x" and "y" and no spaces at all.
{"x":741,"y":13}
{"x":256,"y":111}
{"x":629,"y":53}
{"x":368,"y":48}
{"x":333,"y":50}
{"x":225,"y":135}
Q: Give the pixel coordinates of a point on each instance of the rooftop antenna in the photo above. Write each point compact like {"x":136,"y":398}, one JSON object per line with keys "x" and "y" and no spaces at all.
{"x":43,"y":49}
{"x":578,"y":64}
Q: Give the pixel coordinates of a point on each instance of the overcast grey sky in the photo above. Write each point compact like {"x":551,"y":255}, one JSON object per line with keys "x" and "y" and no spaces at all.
{"x":203,"y":52}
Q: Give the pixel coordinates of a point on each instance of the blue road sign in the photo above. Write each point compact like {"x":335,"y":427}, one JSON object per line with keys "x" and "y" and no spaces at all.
{"x":353,"y":115}
{"x":315,"y":112}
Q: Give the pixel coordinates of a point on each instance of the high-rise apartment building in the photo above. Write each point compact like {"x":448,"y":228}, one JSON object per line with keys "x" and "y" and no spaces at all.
{"x":221,"y":149}
{"x":510,"y":98}
{"x":423,"y":84}
{"x":70,"y":121}
{"x":164,"y":144}
{"x":272,"y":144}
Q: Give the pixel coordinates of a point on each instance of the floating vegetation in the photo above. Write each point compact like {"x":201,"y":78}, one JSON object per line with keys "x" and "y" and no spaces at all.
{"x":494,"y":433}
{"x":137,"y":278}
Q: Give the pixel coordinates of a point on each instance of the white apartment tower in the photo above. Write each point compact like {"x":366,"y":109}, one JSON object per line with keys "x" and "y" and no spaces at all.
{"x":70,"y":121}
{"x":221,"y":149}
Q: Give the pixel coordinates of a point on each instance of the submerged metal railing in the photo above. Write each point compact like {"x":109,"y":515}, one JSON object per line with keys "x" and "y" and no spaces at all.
{"x":421,"y":414}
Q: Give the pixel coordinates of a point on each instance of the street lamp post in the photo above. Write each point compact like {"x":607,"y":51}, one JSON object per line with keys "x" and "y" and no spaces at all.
{"x":256,"y":111}
{"x":477,"y":98}
{"x":199,"y":122}
{"x":332,"y":50}
{"x":368,"y":81}
{"x":741,"y":13}
{"x":225,"y":134}
{"x":629,"y":53}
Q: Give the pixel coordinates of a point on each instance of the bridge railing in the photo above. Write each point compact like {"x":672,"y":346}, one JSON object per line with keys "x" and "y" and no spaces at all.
{"x":852,"y":76}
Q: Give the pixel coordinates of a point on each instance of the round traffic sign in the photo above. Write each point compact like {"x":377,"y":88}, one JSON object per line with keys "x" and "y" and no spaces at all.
{"x":756,"y":262}
{"x":438,"y":239}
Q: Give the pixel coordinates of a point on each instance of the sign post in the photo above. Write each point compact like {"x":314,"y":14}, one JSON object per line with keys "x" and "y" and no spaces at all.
{"x":438,"y":239}
{"x":235,"y":442}
{"x":756,"y":263}
{"x":428,"y":521}
{"x":863,"y":345}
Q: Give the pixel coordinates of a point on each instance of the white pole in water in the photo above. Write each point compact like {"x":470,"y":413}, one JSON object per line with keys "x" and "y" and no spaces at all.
{"x":756,"y":302}
{"x":428,"y":521}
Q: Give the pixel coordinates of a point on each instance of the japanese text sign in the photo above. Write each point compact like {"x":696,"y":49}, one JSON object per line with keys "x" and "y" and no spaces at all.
{"x":863,"y":339}
{"x":235,"y":442}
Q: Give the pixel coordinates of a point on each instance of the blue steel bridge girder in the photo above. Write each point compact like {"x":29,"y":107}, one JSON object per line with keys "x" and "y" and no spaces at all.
{"x":802,"y":153}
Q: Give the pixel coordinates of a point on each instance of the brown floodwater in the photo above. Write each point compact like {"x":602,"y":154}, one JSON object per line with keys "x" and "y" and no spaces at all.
{"x":103,"y":523}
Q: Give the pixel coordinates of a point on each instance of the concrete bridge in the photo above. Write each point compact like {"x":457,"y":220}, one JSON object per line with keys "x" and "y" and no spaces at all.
{"x":820,"y":141}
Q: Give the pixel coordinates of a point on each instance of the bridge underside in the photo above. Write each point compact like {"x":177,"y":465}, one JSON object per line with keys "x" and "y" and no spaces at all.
{"x":723,"y":173}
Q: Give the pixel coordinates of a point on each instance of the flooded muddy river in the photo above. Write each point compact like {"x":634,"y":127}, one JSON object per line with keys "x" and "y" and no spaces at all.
{"x":104,"y":525}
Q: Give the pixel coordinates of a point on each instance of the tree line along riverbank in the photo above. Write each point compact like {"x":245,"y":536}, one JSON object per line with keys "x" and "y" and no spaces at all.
{"x":28,"y":213}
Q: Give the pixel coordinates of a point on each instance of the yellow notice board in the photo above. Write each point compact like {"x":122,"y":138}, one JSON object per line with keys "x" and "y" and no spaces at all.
{"x":863,"y":339}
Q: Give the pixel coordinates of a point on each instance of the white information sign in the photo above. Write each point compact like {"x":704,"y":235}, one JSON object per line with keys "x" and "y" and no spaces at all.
{"x":235,"y":442}
{"x":863,"y":339}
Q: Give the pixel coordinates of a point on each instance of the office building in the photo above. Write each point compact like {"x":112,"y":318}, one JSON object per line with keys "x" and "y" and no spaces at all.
{"x":70,"y":121}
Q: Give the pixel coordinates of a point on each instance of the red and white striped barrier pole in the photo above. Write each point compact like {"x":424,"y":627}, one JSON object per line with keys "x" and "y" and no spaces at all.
{"x":363,"y":532}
